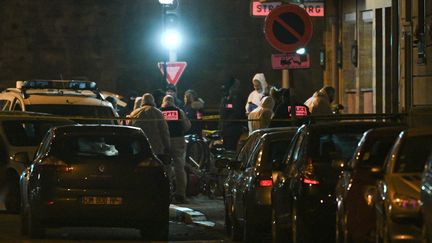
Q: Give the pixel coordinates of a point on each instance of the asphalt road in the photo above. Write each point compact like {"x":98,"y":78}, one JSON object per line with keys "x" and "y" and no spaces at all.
{"x":180,"y":228}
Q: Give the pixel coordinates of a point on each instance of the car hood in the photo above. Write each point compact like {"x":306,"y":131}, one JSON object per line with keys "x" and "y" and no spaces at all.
{"x":405,"y":184}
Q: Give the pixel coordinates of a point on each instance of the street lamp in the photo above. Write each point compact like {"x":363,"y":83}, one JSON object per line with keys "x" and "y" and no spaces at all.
{"x":166,"y":1}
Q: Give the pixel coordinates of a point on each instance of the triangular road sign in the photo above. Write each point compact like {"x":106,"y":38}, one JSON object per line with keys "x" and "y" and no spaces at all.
{"x":174,"y":71}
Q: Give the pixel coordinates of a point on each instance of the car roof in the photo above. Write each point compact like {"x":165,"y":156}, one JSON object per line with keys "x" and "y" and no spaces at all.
{"x":47,"y":99}
{"x":383,"y":131}
{"x":96,"y":129}
{"x":279,"y":134}
{"x":418,"y":131}
{"x":273,"y":129}
{"x":346,"y":125}
{"x":26,"y":115}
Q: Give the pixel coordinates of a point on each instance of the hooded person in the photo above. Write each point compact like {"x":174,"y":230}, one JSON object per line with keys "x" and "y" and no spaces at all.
{"x":260,"y":88}
{"x":262,"y":115}
{"x":151,"y":120}
{"x":320,"y":102}
{"x":178,"y":124}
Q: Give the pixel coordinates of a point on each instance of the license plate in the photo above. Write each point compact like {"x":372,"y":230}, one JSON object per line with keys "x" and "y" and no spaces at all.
{"x":102,"y":200}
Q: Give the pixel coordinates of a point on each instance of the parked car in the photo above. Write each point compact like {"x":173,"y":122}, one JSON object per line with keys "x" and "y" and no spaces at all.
{"x":20,"y":134}
{"x":248,"y":185}
{"x":426,"y":201}
{"x":303,"y":193}
{"x":356,"y":186}
{"x":397,"y":201}
{"x":74,"y":98}
{"x":95,"y":175}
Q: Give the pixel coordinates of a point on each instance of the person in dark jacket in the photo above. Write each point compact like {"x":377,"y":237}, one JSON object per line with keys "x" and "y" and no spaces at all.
{"x":231,"y":111}
{"x":289,"y":108}
{"x":178,"y":124}
{"x":193,"y":107}
{"x":171,"y":89}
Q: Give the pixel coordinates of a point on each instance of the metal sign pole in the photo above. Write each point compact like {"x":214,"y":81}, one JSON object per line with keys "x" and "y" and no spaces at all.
{"x":285,"y":78}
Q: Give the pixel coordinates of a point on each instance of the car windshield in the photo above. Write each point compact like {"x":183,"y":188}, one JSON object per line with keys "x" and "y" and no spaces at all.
{"x":28,"y":133}
{"x":75,"y":110}
{"x":413,"y":154}
{"x":97,"y":146}
{"x":375,"y":152}
{"x":327,"y":147}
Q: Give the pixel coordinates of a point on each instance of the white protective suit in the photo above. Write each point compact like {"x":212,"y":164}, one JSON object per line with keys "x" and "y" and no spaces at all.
{"x":255,"y":96}
{"x":261,"y":116}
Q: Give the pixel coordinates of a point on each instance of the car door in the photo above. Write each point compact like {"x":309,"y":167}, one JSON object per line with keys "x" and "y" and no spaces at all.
{"x":244,"y":180}
{"x":281,"y":190}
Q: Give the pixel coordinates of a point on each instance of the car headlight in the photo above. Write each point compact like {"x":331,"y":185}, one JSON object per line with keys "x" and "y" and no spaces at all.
{"x":403,"y":201}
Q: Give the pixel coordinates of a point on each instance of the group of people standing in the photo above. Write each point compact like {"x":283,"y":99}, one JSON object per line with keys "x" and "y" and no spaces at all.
{"x":266,"y":107}
{"x":165,"y":125}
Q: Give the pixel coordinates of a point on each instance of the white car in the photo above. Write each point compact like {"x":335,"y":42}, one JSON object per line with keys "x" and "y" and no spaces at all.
{"x":72,"y":98}
{"x":20,"y":134}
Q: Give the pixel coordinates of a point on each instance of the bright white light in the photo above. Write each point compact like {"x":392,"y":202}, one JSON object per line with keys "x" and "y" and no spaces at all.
{"x":166,"y":1}
{"x":301,"y":51}
{"x":171,"y":39}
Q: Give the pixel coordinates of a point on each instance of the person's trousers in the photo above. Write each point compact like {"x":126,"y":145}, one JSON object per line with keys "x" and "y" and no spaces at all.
{"x":178,"y":154}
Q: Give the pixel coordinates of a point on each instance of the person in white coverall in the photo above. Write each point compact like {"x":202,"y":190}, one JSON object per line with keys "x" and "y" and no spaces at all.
{"x":262,"y":115}
{"x":260,"y":88}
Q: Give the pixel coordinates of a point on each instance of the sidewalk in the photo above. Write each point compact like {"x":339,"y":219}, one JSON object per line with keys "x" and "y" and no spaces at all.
{"x":199,"y":210}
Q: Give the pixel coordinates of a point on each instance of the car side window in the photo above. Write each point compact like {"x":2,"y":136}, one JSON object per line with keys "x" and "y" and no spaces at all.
{"x":6,"y":105}
{"x":44,"y":145}
{"x":255,"y":155}
{"x":289,"y":153}
{"x":17,"y":105}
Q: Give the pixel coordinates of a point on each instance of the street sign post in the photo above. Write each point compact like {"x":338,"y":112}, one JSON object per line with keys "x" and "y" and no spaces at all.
{"x":290,"y":61}
{"x":174,"y":71}
{"x":288,"y":27}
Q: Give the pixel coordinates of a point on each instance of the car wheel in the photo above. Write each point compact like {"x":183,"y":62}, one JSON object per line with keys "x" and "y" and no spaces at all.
{"x":250,"y":231}
{"x":24,"y":222}
{"x":227,"y":220}
{"x":235,"y":226}
{"x":12,"y":198}
{"x":278,"y":235}
{"x":35,"y":226}
{"x":156,"y":231}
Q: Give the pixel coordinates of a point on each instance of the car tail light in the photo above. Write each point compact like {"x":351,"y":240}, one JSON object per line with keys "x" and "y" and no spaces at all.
{"x":265,"y":183}
{"x":56,"y":163}
{"x":310,"y":181}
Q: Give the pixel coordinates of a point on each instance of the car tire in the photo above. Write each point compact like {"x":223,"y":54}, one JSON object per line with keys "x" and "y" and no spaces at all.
{"x":227,"y":220}
{"x":250,"y":231}
{"x":24,"y":222}
{"x":36,"y":229}
{"x":158,"y":231}
{"x":12,"y":198}
{"x":278,"y":235}
{"x":235,"y":226}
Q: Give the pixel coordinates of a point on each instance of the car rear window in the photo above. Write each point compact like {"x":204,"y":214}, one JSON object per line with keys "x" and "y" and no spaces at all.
{"x":76,"y":110}
{"x":28,"y":132}
{"x":277,"y":150}
{"x":327,"y":147}
{"x":376,"y":151}
{"x":114,"y":146}
{"x":413,"y":154}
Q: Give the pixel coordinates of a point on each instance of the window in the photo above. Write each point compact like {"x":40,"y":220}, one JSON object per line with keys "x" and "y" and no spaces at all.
{"x":375,"y":153}
{"x":413,"y":154}
{"x":277,"y":150}
{"x":102,"y":146}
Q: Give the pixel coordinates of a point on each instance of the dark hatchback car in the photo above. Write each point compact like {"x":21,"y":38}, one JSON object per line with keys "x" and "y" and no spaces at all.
{"x":354,"y":191}
{"x":426,"y":201}
{"x":249,"y":183}
{"x":304,"y":204}
{"x":397,"y":201}
{"x":95,"y":175}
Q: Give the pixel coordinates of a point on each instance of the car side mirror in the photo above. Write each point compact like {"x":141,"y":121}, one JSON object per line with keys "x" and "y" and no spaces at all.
{"x":21,"y":157}
{"x":234,"y":165}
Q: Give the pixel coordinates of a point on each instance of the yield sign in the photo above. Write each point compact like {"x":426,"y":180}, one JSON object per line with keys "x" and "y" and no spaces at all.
{"x":174,"y":71}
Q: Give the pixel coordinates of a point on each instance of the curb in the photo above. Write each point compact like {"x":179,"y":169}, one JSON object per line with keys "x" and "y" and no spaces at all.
{"x":189,"y":216}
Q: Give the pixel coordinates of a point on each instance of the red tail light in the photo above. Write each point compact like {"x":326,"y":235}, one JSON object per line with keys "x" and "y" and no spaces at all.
{"x":265,"y":183}
{"x":310,"y":181}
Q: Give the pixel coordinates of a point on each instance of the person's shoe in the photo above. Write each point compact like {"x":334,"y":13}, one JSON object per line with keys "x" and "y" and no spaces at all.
{"x":179,"y":199}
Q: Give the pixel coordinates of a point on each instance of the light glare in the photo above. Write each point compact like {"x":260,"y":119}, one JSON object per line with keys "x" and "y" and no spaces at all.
{"x":301,"y":51}
{"x":166,"y":1}
{"x":171,"y":39}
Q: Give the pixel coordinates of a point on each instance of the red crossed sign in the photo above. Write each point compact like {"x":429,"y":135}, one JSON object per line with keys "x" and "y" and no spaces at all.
{"x":288,"y":27}
{"x":174,"y":71}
